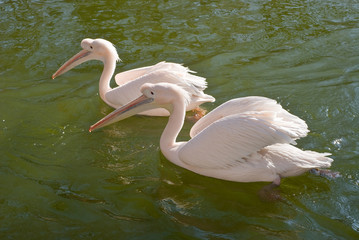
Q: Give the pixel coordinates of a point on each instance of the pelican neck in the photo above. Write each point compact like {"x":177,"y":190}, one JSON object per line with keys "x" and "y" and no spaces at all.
{"x":174,"y":125}
{"x":105,"y":79}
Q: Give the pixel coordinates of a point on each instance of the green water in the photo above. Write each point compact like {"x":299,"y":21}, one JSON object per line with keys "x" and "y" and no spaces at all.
{"x":58,"y":181}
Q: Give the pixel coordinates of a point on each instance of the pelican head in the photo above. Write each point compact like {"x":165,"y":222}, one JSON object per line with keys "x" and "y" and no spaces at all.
{"x":93,"y":49}
{"x":164,"y":95}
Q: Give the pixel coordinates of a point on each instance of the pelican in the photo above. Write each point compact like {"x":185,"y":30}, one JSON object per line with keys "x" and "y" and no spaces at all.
{"x":129,"y":82}
{"x":246,"y":139}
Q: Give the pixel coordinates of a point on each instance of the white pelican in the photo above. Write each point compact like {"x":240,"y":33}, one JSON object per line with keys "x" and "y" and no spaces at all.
{"x":243,"y":140}
{"x":129,"y":82}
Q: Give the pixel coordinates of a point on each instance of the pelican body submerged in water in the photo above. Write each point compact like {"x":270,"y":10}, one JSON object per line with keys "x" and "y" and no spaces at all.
{"x":129,"y":82}
{"x":243,"y":140}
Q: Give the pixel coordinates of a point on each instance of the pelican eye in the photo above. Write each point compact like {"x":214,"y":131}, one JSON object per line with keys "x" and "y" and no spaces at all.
{"x":91,"y":47}
{"x":152,"y":93}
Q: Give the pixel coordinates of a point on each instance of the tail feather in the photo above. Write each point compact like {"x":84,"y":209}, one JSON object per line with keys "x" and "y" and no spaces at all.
{"x":287,"y":160}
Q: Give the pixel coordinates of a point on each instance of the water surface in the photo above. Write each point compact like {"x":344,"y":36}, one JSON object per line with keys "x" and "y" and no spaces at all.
{"x":58,"y":181}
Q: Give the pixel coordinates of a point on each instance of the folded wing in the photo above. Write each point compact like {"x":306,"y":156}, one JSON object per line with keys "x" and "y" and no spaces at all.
{"x":255,"y":106}
{"x":230,"y":140}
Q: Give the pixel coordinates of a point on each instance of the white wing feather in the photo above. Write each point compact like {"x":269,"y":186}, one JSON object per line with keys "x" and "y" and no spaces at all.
{"x":228,"y":141}
{"x":130,"y":75}
{"x":130,"y":90}
{"x":255,"y":106}
{"x":184,"y":76}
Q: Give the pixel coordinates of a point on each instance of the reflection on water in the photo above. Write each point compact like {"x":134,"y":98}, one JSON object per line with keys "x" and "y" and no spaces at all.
{"x":59,"y":180}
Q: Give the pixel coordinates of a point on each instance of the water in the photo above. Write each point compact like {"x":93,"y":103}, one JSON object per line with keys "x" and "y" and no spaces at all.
{"x":60,"y":182}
